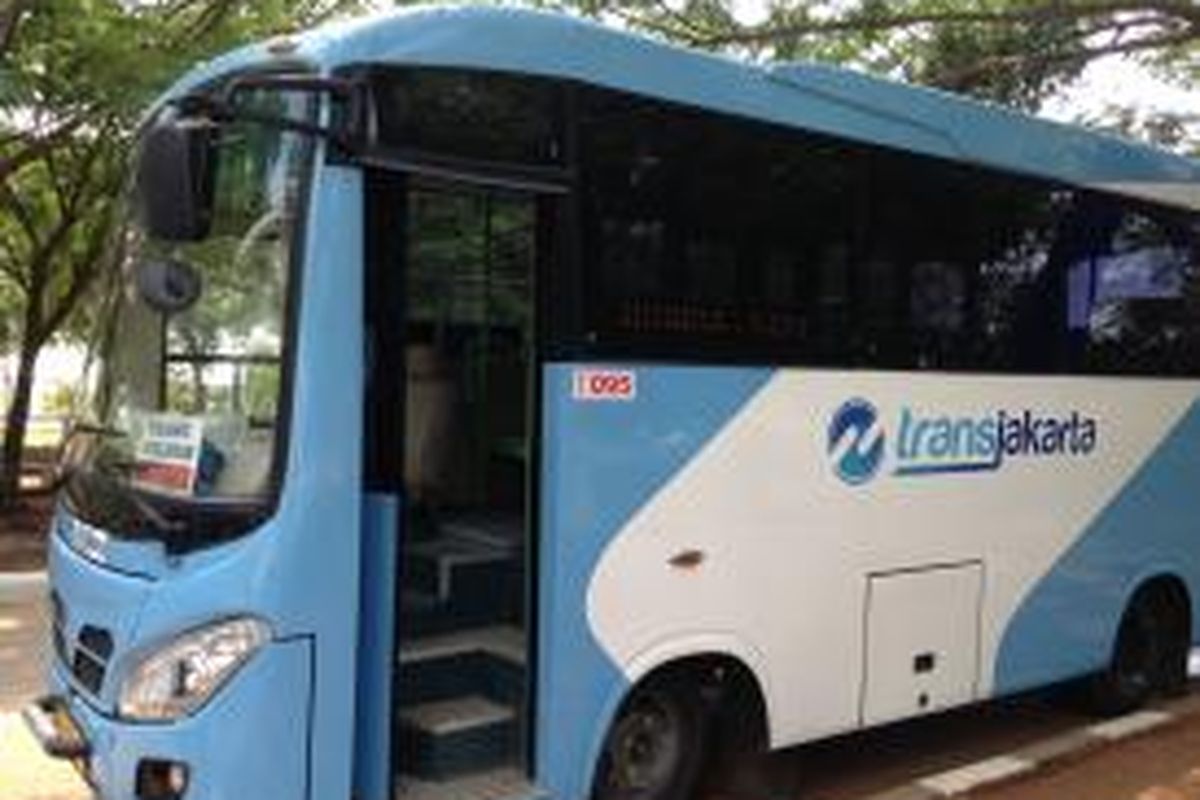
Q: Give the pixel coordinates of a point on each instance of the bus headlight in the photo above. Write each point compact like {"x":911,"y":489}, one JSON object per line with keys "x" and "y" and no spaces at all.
{"x":177,"y":679}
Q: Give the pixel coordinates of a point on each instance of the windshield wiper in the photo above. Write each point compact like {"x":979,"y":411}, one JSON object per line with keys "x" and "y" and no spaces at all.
{"x":132,"y":497}
{"x":63,"y":472}
{"x":94,"y":429}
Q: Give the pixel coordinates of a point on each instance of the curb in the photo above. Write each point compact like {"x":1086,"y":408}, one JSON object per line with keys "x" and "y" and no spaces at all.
{"x":22,"y":578}
{"x":18,"y":582}
{"x":1055,"y":750}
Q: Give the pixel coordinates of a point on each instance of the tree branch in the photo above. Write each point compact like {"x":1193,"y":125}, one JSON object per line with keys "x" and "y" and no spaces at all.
{"x":22,"y":214}
{"x":38,"y":146}
{"x":691,"y":37}
{"x":10,"y":21}
{"x":1141,"y":44}
{"x":10,"y":266}
{"x":207,"y":21}
{"x":84,"y":270}
{"x":1052,"y":12}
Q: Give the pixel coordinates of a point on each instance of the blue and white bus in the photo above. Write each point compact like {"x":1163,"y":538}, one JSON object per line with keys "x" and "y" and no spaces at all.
{"x":494,"y":405}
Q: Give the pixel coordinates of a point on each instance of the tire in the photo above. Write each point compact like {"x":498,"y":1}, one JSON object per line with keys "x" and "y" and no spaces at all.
{"x":1149,"y":657}
{"x":656,"y":746}
{"x":1173,"y":668}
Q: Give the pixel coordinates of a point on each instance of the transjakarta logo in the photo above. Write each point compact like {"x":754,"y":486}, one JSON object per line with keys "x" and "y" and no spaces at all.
{"x":856,"y":441}
{"x":931,"y":444}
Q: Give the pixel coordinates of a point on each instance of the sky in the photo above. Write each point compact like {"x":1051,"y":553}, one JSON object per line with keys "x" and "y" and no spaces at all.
{"x":1122,"y":81}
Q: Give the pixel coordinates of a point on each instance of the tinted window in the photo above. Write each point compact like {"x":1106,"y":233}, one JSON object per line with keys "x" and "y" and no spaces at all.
{"x":484,"y":116}
{"x":709,"y":237}
{"x":1133,"y":290}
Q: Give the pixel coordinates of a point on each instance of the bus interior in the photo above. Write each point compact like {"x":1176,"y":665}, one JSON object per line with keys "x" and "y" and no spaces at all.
{"x":462,"y":692}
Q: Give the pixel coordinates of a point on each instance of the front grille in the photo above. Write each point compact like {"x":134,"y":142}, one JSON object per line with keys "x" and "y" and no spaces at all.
{"x":58,"y":623}
{"x":96,"y":641}
{"x":93,"y":649}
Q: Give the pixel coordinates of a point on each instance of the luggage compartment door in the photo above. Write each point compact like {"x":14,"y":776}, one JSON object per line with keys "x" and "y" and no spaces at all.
{"x":922,"y":641}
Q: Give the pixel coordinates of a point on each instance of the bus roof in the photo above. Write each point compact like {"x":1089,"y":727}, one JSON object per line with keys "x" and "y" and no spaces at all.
{"x":820,"y":98}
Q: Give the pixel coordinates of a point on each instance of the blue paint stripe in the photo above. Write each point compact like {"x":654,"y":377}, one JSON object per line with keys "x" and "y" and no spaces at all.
{"x":376,"y":648}
{"x":603,"y":462}
{"x":1066,"y":625}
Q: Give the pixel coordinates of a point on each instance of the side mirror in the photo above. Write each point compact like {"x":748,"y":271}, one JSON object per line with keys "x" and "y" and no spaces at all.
{"x":175,"y":175}
{"x":167,"y":285}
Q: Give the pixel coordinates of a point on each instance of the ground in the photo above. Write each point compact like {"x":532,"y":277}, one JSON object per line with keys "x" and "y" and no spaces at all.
{"x":25,"y":774}
{"x":23,"y":531}
{"x":1160,"y":766}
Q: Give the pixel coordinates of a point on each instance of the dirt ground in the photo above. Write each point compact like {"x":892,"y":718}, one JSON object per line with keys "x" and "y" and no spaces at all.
{"x":1161,"y":766}
{"x":23,"y":532}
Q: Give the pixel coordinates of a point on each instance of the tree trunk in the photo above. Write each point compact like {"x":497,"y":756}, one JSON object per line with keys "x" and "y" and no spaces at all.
{"x":16,"y":422}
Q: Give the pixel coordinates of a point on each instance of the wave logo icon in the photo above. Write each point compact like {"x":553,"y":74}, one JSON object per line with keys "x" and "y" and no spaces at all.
{"x":856,"y":441}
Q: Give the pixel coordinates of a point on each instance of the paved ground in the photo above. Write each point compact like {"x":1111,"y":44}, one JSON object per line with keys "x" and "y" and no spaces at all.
{"x":25,"y":774}
{"x":22,"y":639}
{"x":1164,"y":765}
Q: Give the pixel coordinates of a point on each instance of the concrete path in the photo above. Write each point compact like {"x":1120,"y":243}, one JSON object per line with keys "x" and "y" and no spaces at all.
{"x":22,"y":638}
{"x":26,"y":774}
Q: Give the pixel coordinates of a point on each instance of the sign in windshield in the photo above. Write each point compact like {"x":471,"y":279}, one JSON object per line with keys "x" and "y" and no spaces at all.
{"x":167,"y":456}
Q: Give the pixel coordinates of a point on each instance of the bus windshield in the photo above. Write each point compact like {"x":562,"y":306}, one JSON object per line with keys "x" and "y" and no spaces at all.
{"x":182,"y":417}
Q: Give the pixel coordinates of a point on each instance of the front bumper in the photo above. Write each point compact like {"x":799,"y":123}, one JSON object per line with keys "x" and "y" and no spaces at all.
{"x":49,"y":720}
{"x":251,"y":740}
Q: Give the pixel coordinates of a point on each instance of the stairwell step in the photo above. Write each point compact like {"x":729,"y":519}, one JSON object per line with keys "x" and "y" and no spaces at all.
{"x":431,"y":566}
{"x":503,"y":641}
{"x":505,"y":783}
{"x":461,"y":549}
{"x":447,"y":717}
{"x":461,"y":736}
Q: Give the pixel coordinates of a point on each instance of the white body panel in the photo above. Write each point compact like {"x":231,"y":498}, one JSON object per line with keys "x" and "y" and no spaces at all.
{"x":789,"y":546}
{"x":922,"y":641}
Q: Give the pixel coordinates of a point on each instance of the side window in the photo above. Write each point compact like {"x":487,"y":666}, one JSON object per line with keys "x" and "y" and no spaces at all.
{"x":938,"y":310}
{"x":709,"y":237}
{"x":969,"y":250}
{"x":1133,"y":290}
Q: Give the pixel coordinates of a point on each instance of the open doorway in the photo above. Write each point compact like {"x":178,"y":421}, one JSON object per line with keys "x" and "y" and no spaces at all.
{"x":469,"y":264}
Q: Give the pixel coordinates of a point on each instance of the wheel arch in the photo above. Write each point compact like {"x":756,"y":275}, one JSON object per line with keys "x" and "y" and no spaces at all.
{"x":1156,"y":578}
{"x":1167,"y":581}
{"x":692,"y":656}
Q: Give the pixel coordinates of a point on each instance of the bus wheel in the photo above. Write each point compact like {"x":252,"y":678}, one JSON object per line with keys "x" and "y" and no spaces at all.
{"x":1153,"y":636}
{"x":655,"y":748}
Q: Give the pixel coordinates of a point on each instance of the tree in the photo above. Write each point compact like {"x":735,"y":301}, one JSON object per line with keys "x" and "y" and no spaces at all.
{"x":75,"y":76}
{"x":1013,"y":51}
{"x":51,"y":243}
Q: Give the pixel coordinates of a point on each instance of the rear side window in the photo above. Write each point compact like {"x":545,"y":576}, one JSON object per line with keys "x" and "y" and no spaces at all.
{"x":1134,"y":292}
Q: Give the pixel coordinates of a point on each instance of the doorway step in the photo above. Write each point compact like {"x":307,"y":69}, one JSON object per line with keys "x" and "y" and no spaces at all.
{"x":469,"y":576}
{"x":463,"y":704}
{"x":506,"y":783}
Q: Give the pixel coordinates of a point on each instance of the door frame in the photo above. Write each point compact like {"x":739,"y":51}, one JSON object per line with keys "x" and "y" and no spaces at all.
{"x":386,"y":188}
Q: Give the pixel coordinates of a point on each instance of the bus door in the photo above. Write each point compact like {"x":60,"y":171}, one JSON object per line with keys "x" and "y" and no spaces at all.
{"x":464,"y":416}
